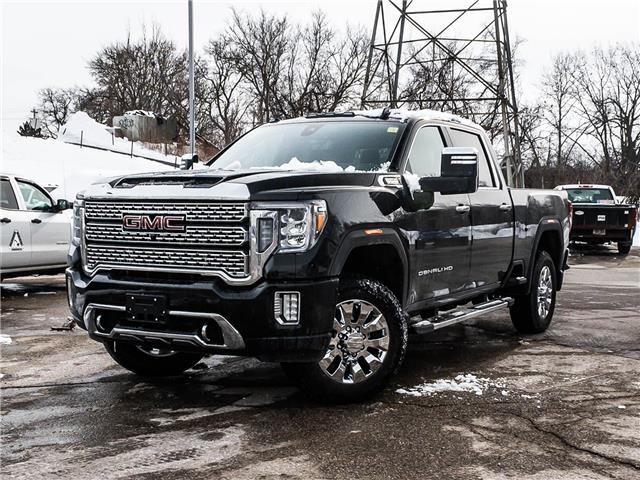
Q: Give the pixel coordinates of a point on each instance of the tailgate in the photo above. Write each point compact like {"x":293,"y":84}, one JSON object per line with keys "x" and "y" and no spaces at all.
{"x":603,"y":216}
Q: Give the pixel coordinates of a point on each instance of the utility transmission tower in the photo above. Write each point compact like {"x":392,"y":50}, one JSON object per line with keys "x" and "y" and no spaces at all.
{"x":453,"y":56}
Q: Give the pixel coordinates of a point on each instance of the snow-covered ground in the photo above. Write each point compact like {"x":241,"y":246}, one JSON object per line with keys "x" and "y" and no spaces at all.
{"x":461,"y":383}
{"x":69,"y":166}
{"x":81,"y":128}
{"x":636,"y":238}
{"x":464,"y":383}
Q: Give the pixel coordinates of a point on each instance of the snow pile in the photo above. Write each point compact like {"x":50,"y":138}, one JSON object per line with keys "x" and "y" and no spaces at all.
{"x":144,"y":113}
{"x":328,"y":166}
{"x":461,"y":383}
{"x":69,"y":166}
{"x":81,"y":127}
{"x":324,"y":166}
{"x":5,"y":339}
{"x":413,"y":181}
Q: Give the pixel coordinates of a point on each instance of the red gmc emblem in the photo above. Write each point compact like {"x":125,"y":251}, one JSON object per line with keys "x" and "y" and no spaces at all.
{"x":169,"y":223}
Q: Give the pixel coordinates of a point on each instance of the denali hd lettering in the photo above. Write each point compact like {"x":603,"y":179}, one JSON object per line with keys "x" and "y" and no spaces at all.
{"x":306,"y":244}
{"x":430,"y":271}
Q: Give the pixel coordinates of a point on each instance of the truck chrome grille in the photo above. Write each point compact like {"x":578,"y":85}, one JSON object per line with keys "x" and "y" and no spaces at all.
{"x":232,"y":263}
{"x":215,"y":212}
{"x":199,"y":235}
{"x":213,"y":240}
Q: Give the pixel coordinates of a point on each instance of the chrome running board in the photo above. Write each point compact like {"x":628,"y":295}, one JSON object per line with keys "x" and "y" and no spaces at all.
{"x":457,"y":316}
{"x":232,"y":340}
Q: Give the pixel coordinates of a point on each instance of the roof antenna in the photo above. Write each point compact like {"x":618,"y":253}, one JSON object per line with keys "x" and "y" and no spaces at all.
{"x":386,"y":111}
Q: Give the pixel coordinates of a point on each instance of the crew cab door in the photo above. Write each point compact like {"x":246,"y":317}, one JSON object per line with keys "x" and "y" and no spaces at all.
{"x":441,"y":234}
{"x":492,"y":214}
{"x":50,"y":228}
{"x":15,"y":229}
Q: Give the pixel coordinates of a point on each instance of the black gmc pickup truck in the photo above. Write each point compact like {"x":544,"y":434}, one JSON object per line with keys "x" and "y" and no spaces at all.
{"x":319,"y":242}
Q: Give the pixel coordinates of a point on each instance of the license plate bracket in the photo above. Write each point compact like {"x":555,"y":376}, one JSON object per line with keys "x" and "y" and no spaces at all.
{"x":146,"y":308}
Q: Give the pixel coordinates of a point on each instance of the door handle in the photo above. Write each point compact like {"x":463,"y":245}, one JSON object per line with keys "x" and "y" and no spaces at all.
{"x":5,"y":220}
{"x":463,"y":208}
{"x":505,"y":207}
{"x":36,"y":220}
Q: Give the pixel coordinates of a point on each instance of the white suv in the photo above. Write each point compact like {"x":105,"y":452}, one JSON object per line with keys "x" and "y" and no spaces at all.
{"x":35,"y":229}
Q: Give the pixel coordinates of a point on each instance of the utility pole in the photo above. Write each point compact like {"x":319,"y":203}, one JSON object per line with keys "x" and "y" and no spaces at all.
{"x":192,"y":126}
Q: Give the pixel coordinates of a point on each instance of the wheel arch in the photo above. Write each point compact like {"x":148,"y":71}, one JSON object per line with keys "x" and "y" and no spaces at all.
{"x":379,"y":254}
{"x":548,"y":238}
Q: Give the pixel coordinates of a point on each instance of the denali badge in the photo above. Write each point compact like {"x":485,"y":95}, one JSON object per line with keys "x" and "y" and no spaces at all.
{"x":169,"y":223}
{"x":422,"y":273}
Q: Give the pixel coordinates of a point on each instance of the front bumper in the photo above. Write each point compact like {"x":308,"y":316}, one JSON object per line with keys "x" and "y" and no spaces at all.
{"x":242,"y":319}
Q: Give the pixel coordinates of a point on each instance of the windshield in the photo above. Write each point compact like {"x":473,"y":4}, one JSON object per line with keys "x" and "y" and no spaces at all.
{"x":590,"y":195}
{"x":322,"y":146}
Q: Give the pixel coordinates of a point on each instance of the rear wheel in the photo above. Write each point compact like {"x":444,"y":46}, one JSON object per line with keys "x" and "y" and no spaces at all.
{"x":532,"y":313}
{"x":149,"y":361}
{"x":368,"y":343}
{"x":624,"y":247}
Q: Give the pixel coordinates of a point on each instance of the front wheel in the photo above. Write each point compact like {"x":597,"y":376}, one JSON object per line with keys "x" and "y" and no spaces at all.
{"x":149,"y":361}
{"x":368,"y":343}
{"x":532,"y":313}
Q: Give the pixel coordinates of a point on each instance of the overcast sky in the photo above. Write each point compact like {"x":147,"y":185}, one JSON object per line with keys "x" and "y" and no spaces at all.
{"x":48,"y":43}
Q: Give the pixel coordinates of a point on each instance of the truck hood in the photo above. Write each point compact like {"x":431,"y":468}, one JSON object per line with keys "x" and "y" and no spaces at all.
{"x":212,"y":184}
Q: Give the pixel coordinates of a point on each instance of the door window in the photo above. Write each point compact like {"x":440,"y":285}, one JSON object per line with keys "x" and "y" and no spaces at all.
{"x":34,"y":197}
{"x":7,"y":197}
{"x":426,"y":152}
{"x":467,"y":139}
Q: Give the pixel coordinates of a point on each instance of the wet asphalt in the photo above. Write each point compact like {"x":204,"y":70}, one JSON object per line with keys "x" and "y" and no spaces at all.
{"x":561,"y":405}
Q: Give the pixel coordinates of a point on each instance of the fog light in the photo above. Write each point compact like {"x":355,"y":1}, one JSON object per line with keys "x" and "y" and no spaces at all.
{"x":286,"y":307}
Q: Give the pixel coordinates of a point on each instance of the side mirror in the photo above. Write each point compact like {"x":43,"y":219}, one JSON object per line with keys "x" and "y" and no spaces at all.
{"x":63,"y":204}
{"x":187,"y":161}
{"x":458,"y":172}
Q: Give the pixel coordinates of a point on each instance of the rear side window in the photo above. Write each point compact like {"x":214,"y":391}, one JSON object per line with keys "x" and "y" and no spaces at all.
{"x":467,"y":139}
{"x":7,"y":197}
{"x":426,"y":152}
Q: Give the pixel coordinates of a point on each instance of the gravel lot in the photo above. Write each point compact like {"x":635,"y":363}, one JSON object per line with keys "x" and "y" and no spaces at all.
{"x":563,"y":405}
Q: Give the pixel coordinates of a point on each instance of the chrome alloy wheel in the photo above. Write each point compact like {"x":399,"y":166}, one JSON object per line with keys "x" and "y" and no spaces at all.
{"x":545,"y":292}
{"x":359,"y":342}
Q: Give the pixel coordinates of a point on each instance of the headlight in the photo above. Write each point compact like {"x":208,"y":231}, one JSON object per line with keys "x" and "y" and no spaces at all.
{"x":296,"y":226}
{"x":77,"y":222}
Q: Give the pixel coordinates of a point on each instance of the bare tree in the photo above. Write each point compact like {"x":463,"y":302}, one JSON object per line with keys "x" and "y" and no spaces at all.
{"x":534,"y":144}
{"x":609,"y":102}
{"x":56,"y":104}
{"x":323,"y":71}
{"x":226,"y":106}
{"x":146,"y":74}
{"x":559,"y":100}
{"x":256,"y":47}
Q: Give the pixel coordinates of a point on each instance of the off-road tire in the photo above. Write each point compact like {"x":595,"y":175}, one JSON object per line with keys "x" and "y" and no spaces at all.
{"x":525,"y":313}
{"x":317,"y":384}
{"x":624,"y":247}
{"x":146,"y":364}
